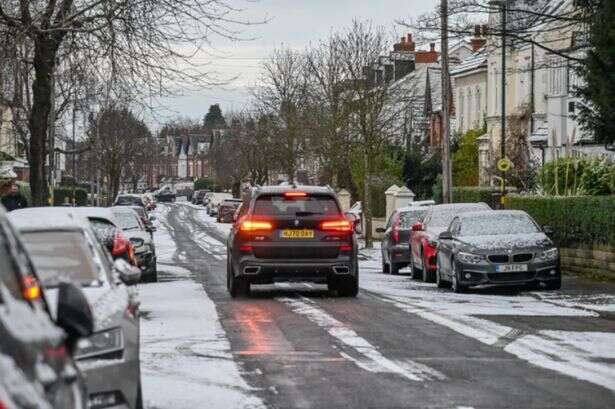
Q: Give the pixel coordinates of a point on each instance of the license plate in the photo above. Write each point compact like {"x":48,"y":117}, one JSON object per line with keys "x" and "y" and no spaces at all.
{"x":511,"y":268}
{"x":298,"y":234}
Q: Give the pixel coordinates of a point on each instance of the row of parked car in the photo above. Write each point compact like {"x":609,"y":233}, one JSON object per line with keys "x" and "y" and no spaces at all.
{"x":467,"y":245}
{"x":222,"y":206}
{"x":69,"y":312}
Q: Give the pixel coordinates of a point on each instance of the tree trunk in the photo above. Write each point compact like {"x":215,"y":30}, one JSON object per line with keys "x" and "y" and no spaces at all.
{"x":367,"y":211}
{"x":447,"y":179}
{"x":44,"y":66}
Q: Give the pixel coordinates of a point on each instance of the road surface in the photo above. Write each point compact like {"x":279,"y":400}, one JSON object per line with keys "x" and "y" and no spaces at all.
{"x":399,"y":344}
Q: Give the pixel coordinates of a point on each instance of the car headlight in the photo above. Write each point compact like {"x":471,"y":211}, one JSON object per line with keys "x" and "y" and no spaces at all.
{"x":470,"y":258}
{"x":100,"y":343}
{"x":547,"y":255}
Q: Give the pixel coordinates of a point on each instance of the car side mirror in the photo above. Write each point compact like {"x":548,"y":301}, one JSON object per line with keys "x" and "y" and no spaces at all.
{"x":128,"y":274}
{"x":418,"y":227}
{"x":381,"y":230}
{"x":74,"y":314}
{"x":548,"y":231}
{"x":446,"y":235}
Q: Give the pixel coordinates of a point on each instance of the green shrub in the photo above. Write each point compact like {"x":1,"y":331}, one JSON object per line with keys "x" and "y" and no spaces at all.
{"x":465,"y":160}
{"x":475,"y":194}
{"x":586,"y":221}
{"x":577,"y":177}
{"x":63,"y":194}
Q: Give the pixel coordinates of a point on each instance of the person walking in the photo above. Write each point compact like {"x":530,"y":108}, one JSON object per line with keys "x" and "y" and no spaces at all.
{"x":10,"y":197}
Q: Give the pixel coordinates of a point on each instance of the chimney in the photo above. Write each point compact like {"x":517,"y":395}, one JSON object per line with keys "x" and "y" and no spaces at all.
{"x":478,"y":41}
{"x":405,"y":45}
{"x":427,"y":57}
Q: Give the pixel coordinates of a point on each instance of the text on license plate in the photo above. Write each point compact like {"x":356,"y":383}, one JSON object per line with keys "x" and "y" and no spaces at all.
{"x":511,"y":268}
{"x":297,"y":234}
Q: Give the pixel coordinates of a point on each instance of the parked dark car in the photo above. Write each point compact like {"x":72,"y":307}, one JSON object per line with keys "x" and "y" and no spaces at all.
{"x":138,"y":236}
{"x":38,"y":352}
{"x":226,"y":210}
{"x":165,"y":196}
{"x":396,"y":237}
{"x":146,"y":219}
{"x":129,"y":199}
{"x":66,"y":249}
{"x":197,"y":197}
{"x":501,"y":247}
{"x":288,"y":233}
{"x":424,"y":236}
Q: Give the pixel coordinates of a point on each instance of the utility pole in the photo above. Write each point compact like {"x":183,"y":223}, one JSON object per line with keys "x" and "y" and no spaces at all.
{"x":447,"y":177}
{"x":51,"y":133}
{"x":503,"y":114}
{"x":74,"y":159}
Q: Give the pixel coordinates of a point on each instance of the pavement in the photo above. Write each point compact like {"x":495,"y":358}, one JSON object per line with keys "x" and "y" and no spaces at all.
{"x":400,"y":344}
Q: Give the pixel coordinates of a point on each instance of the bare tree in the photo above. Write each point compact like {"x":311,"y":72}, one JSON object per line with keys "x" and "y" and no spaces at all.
{"x":140,"y":48}
{"x":283,"y":92}
{"x":372,"y":106}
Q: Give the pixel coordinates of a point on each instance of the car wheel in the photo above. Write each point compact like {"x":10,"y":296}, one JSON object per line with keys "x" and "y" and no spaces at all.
{"x":139,"y":403}
{"x":395,"y":268}
{"x":554,"y":284}
{"x":385,"y":266}
{"x":428,"y":276}
{"x":416,"y":273}
{"x":238,"y":286}
{"x":455,"y":285}
{"x":440,"y":283}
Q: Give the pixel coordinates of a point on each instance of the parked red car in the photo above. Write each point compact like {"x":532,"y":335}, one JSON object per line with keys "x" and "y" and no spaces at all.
{"x":424,"y":237}
{"x":227,"y":209}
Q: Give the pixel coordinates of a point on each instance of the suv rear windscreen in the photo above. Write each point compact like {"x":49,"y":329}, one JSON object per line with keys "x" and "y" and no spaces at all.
{"x":279,"y":205}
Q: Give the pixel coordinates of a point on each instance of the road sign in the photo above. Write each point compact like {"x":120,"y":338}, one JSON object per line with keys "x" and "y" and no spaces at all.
{"x":504,"y":165}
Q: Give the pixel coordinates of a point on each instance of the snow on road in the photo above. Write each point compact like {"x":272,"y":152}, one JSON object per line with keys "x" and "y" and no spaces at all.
{"x":186,"y":359}
{"x":582,"y":354}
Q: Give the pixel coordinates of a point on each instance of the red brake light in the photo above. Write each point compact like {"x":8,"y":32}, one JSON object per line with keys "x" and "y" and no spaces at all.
{"x":31,"y":289}
{"x":245,"y":249}
{"x":255,"y":225}
{"x":395,"y":230}
{"x":345,"y":248}
{"x":341,"y":226}
{"x":295,"y":194}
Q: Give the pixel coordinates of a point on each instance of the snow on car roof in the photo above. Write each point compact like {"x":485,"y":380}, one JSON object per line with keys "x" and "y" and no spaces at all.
{"x":93,"y":212}
{"x":494,"y":213}
{"x":46,"y":218}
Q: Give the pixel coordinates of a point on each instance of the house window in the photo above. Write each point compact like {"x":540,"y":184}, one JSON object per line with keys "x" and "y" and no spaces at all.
{"x":571,"y":107}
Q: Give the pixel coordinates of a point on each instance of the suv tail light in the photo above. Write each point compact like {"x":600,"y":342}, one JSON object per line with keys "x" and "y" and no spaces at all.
{"x":339,"y":226}
{"x":249,"y":225}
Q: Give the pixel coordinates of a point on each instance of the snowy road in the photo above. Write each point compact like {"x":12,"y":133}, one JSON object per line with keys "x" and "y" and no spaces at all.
{"x":400,"y":344}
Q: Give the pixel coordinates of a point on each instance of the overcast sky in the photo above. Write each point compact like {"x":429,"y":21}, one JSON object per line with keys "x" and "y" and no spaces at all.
{"x":293,"y":23}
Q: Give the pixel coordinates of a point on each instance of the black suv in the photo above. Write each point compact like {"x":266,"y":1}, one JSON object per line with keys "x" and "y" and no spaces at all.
{"x":292,"y":233}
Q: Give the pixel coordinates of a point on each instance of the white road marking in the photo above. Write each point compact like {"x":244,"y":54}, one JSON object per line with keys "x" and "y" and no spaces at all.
{"x":370,"y":359}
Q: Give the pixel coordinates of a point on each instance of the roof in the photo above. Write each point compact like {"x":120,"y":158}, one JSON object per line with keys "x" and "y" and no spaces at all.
{"x":45,"y":219}
{"x":450,"y":206}
{"x":483,"y":213}
{"x":478,"y":60}
{"x":289,"y":188}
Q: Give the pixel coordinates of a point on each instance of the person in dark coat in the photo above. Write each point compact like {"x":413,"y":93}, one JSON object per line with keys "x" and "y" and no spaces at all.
{"x":13,"y":199}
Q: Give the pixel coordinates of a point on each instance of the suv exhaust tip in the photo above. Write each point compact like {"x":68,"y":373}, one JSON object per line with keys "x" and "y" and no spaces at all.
{"x":341,"y":270}
{"x":251,"y":270}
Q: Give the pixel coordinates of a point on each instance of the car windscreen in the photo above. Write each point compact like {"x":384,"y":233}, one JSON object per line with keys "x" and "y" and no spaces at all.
{"x":497,"y":224}
{"x":128,"y":200}
{"x":127,"y":220}
{"x":280,"y":205}
{"x":407,"y":219}
{"x":104,"y":230}
{"x":61,"y":256}
{"x":442,"y":217}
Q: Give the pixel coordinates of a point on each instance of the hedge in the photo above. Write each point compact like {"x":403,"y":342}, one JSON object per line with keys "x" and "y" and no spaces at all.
{"x":473,"y":194}
{"x":580,"y":221}
{"x":63,"y":194}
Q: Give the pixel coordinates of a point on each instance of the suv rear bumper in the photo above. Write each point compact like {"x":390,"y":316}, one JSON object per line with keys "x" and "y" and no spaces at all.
{"x":268,"y":271}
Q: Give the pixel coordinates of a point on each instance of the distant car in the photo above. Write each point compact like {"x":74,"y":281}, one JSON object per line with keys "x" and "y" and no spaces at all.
{"x":146,"y":219}
{"x":292,"y":233}
{"x":129,"y":200}
{"x":214,"y":202}
{"x":165,"y":196}
{"x":424,"y":236}
{"x":501,"y":247}
{"x":395,"y":242}
{"x":37,"y":369}
{"x":197,"y":197}
{"x":145,"y":250}
{"x":66,"y":249}
{"x":226,"y":210}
